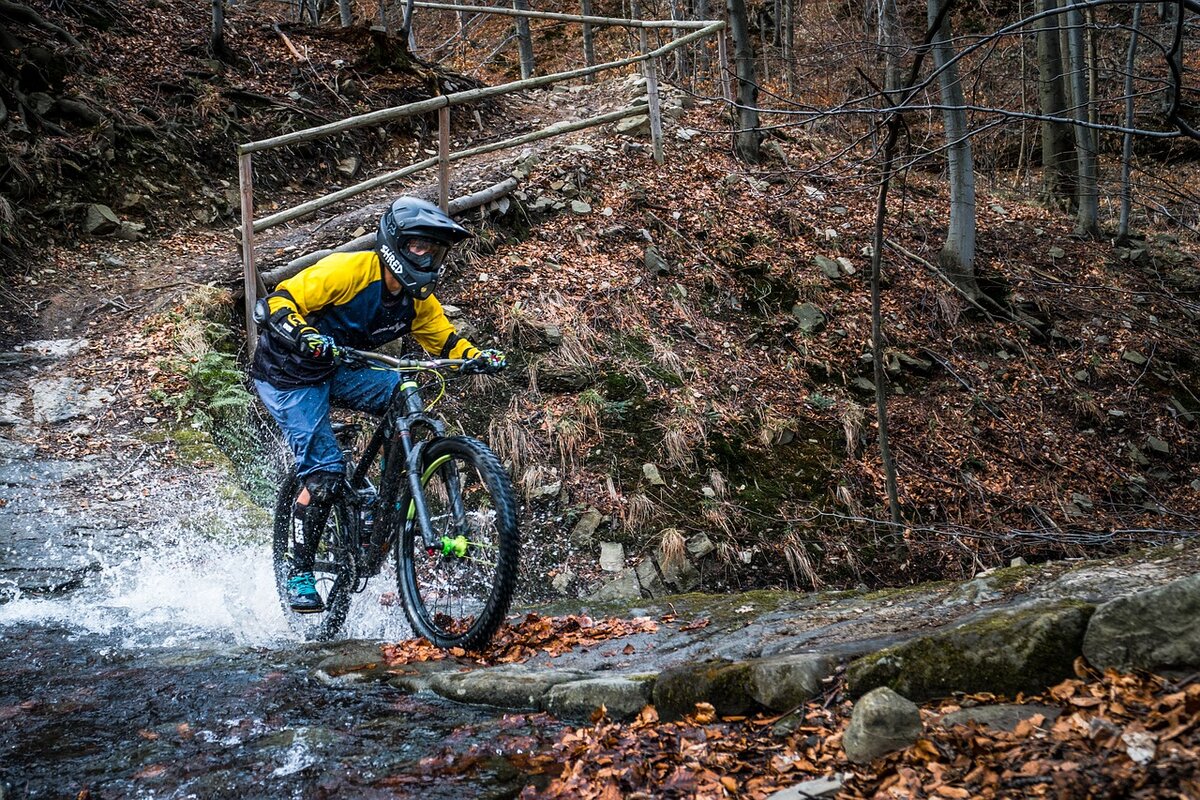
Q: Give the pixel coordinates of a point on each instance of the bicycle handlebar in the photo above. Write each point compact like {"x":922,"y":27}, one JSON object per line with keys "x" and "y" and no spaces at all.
{"x":351,"y":354}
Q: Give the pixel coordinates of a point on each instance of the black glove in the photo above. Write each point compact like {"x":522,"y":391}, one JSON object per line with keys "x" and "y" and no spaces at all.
{"x":303,"y":338}
{"x":487,"y":362}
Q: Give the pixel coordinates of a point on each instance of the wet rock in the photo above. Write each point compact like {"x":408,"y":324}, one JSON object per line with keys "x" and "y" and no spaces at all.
{"x":1005,"y":653}
{"x":61,"y":399}
{"x":417,"y":676}
{"x":882,"y":721}
{"x":11,"y":450}
{"x":55,"y":348}
{"x":584,"y":532}
{"x":1005,"y":716}
{"x":623,"y":587}
{"x":810,"y":318}
{"x":649,"y":580}
{"x":506,"y":687}
{"x":40,"y":473}
{"x":724,"y":684}
{"x":622,"y":697}
{"x":782,"y":682}
{"x":354,"y":662}
{"x":677,"y":572}
{"x":612,"y":556}
{"x":1155,"y":629}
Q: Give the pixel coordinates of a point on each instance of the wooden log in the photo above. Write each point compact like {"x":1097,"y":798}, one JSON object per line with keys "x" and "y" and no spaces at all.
{"x":613,"y":21}
{"x":367,"y":241}
{"x":289,"y":214}
{"x":444,"y":158}
{"x":250,"y":278}
{"x":470,"y":95}
{"x":296,"y":54}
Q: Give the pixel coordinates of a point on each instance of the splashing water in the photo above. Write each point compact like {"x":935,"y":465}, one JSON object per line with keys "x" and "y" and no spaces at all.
{"x":196,"y":580}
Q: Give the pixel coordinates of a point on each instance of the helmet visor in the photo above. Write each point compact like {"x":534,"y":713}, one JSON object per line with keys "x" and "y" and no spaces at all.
{"x":425,"y":254}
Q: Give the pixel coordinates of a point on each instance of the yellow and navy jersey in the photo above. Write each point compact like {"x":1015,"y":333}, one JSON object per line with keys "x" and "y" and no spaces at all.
{"x":343,"y":296}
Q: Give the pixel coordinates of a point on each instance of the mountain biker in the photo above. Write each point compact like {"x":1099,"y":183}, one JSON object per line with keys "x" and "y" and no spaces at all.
{"x":359,"y":300}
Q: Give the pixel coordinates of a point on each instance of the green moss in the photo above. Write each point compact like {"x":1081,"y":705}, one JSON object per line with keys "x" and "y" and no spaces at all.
{"x":1006,"y":653}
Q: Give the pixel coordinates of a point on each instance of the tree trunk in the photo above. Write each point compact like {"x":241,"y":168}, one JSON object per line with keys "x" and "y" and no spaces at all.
{"x":957,"y":258}
{"x":1170,"y":14}
{"x":1127,"y":144}
{"x":344,"y":13}
{"x":889,"y":33}
{"x":589,"y":46}
{"x":747,"y":140}
{"x":1087,"y":219}
{"x":217,"y":41}
{"x":677,"y":14}
{"x":524,"y":40}
{"x":704,"y":62}
{"x":1058,"y":149}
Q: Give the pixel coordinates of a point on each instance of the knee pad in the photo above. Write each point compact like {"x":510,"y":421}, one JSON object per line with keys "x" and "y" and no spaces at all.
{"x":323,"y":487}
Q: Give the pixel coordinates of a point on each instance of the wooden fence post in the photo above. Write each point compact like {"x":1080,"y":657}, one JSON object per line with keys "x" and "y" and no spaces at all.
{"x":444,"y":158}
{"x":250,"y":279}
{"x":656,"y":134}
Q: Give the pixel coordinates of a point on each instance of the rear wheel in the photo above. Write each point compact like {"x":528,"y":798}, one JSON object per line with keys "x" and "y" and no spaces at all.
{"x":333,"y":569}
{"x":457,"y":593}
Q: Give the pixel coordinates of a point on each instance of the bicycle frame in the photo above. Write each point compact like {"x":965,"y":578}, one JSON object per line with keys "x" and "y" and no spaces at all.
{"x":398,"y":438}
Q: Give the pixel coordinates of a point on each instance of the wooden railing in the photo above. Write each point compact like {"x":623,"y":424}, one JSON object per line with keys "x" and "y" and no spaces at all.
{"x":253,"y":283}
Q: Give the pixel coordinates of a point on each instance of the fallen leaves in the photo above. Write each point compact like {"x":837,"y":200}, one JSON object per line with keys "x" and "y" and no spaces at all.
{"x":534,"y":635}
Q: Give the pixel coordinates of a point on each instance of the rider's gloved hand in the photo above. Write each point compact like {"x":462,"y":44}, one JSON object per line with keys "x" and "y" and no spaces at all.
{"x":318,"y":346}
{"x":488,"y":362}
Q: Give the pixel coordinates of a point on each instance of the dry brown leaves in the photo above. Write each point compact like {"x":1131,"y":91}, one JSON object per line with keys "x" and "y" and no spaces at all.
{"x":1119,"y":736}
{"x":534,"y":635}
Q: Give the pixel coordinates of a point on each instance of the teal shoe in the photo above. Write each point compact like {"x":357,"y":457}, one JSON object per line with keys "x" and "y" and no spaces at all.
{"x":302,"y":594}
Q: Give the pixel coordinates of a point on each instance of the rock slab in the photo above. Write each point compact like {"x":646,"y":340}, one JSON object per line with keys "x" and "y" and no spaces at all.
{"x":1155,"y":629}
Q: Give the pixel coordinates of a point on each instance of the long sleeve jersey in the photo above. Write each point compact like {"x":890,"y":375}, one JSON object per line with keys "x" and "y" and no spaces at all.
{"x":344,"y":296}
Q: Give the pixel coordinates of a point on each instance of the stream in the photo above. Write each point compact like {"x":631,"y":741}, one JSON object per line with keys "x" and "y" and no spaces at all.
{"x":165,"y":669}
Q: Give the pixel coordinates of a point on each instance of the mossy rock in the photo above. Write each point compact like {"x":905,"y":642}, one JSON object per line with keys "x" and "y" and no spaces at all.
{"x":1006,"y":653}
{"x":724,"y":684}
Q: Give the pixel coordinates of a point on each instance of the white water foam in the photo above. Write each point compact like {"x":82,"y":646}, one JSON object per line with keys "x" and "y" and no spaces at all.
{"x":183,"y":587}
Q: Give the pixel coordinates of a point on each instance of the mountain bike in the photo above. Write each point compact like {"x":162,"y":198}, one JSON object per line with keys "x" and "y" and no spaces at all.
{"x":441,"y":506}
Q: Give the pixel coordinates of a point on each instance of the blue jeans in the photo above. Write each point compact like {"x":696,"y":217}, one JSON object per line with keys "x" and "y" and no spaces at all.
{"x":303,"y":413}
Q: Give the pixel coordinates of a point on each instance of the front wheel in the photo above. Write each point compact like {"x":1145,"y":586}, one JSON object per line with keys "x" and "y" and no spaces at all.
{"x":333,"y":569}
{"x":457,"y":592}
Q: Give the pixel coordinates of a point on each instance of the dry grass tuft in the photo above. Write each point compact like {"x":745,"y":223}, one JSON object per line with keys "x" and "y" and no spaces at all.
{"x":852,"y":417}
{"x":671,"y":545}
{"x":636,"y":512}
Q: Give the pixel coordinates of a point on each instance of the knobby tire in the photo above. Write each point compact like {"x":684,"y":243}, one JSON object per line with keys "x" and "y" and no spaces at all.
{"x":333,"y":561}
{"x":460,"y":601}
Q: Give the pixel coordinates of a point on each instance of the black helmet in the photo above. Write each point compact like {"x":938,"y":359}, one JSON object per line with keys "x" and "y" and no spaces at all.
{"x":401,"y":231}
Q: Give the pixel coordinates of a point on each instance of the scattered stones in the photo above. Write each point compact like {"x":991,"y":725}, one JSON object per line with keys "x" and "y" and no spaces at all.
{"x":612,"y":556}
{"x":581,"y":207}
{"x":882,"y":721}
{"x":535,"y":336}
{"x":584,"y":532}
{"x":811,"y":318}
{"x":911,"y":363}
{"x":864,"y":385}
{"x":1057,"y":252}
{"x":649,"y":580}
{"x":1005,"y":653}
{"x":1134,"y":357}
{"x":637,"y":125}
{"x":699,"y":545}
{"x":652,"y":475}
{"x":817,"y":787}
{"x":558,"y":376}
{"x":563,"y":579}
{"x":655,"y":263}
{"x":349,"y":167}
{"x":1156,"y":445}
{"x":99,"y":220}
{"x":1155,"y":629}
{"x":623,"y":587}
{"x":828,"y":267}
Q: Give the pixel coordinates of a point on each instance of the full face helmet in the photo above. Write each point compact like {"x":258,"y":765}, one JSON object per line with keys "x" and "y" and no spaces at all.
{"x":414,"y":237}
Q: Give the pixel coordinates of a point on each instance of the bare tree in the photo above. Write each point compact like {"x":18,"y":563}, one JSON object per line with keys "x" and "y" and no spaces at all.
{"x":1058,"y":148}
{"x":1127,"y":139}
{"x":747,"y":141}
{"x":1087,"y":222}
{"x":957,"y":258}
{"x":524,"y":40}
